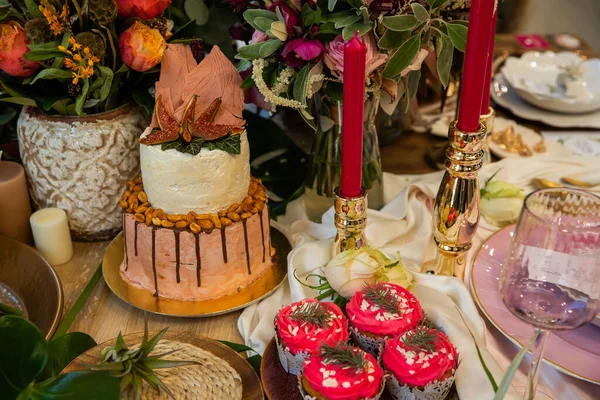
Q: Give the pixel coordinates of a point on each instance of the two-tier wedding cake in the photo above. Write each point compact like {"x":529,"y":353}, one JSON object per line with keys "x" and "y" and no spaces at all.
{"x":195,"y":224}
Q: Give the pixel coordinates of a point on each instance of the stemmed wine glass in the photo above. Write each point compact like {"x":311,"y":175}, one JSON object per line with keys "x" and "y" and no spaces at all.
{"x":551,"y":276}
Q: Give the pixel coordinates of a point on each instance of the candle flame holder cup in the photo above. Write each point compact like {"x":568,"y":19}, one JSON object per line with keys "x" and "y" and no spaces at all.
{"x":488,"y":121}
{"x":456,"y":211}
{"x":350,"y":222}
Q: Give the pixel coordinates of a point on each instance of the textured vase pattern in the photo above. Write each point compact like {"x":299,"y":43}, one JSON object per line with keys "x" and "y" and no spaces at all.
{"x":81,"y":165}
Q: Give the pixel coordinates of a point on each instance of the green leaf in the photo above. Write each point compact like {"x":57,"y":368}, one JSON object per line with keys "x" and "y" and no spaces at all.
{"x":52,"y":73}
{"x":338,"y":16}
{"x":331,"y":4}
{"x":436,"y":3}
{"x":264,"y":24}
{"x":458,"y":35}
{"x":61,"y":107}
{"x":514,"y":366}
{"x":44,"y":46}
{"x":310,"y":16}
{"x":229,"y":144}
{"x":24,"y":101}
{"x":194,"y":147}
{"x":420,"y":12}
{"x":328,"y":28}
{"x":402,"y":57}
{"x":248,"y":82}
{"x":33,"y":9}
{"x":301,"y":84}
{"x":252,"y":14}
{"x":360,"y":26}
{"x":356,"y":4}
{"x":65,"y":43}
{"x":444,"y":59}
{"x":413,"y":78}
{"x":142,"y":97}
{"x":23,"y":354}
{"x":347,"y":21}
{"x":6,"y":116}
{"x":391,"y":40}
{"x":82,"y":97}
{"x":108,"y":75}
{"x":255,"y":362}
{"x":237,"y":347}
{"x":259,"y":50}
{"x":197,"y":10}
{"x":176,"y":145}
{"x":88,"y":385}
{"x":63,"y":350}
{"x":400,"y":23}
{"x":41,"y":55}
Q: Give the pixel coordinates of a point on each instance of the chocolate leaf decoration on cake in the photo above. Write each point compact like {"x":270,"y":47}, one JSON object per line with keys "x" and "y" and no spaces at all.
{"x":344,"y":355}
{"x":230,"y":144}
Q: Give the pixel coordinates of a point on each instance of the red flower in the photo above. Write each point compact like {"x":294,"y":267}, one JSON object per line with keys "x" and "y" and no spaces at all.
{"x":144,"y":9}
{"x":13,"y":45}
{"x":298,"y":51}
{"x":290,"y":17}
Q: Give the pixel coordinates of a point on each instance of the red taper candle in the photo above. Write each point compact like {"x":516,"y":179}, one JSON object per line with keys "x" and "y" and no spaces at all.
{"x":352,"y":117}
{"x":475,"y":65}
{"x":485,"y":101}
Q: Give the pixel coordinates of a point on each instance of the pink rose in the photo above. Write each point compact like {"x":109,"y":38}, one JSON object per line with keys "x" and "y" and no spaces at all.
{"x":258,"y":37}
{"x":298,"y":51}
{"x":144,"y":9}
{"x":415,"y":65}
{"x":141,"y":47}
{"x":13,"y":45}
{"x":334,"y":56}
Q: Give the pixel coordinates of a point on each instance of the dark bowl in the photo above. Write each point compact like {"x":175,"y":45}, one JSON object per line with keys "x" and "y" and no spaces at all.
{"x":29,"y":276}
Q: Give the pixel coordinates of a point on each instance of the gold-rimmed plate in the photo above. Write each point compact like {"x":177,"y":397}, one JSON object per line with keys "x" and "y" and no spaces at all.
{"x":144,"y":300}
{"x":252,"y":389}
{"x":29,"y":283}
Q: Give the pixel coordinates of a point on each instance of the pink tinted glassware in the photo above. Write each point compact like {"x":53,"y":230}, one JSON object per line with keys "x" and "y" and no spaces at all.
{"x":551,"y":276}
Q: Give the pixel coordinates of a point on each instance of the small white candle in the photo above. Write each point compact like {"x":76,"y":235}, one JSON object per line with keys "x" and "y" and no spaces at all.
{"x":51,"y":235}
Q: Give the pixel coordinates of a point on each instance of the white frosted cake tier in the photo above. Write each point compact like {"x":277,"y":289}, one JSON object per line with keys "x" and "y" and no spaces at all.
{"x":205,"y":183}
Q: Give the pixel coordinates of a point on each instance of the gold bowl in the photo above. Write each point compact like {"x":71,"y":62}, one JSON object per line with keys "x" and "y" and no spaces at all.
{"x":31,"y":283}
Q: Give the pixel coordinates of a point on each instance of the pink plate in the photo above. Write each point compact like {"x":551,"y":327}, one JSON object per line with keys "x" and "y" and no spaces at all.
{"x":576,"y":353}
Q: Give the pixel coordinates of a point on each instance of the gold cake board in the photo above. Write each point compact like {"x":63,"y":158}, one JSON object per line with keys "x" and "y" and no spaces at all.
{"x":146,"y":301}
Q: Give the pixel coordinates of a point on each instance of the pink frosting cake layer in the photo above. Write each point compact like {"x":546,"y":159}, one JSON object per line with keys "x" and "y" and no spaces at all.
{"x":180,"y":265}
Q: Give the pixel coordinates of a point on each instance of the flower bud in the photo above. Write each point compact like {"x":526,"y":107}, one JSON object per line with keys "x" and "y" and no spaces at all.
{"x":13,"y":45}
{"x":141,"y":47}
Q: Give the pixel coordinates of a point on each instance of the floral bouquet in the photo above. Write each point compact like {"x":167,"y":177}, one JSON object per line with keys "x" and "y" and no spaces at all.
{"x":81,"y":57}
{"x":296,"y":61}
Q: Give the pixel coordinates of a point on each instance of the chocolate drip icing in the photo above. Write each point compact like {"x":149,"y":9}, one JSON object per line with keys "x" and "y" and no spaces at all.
{"x":262,"y":233}
{"x":154,"y":261}
{"x":177,"y":256}
{"x":198,"y":259}
{"x":125,"y":241}
{"x":246,"y":244}
{"x":135,"y":237}
{"x":224,"y":244}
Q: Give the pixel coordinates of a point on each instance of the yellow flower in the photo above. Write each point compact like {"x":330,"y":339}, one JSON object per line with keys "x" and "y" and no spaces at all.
{"x":77,"y":57}
{"x":75,"y":80}
{"x":56,"y":21}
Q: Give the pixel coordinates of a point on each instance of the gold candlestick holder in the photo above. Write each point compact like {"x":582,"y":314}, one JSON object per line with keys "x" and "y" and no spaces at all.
{"x":350,"y":222}
{"x":456,"y":211}
{"x":488,"y":121}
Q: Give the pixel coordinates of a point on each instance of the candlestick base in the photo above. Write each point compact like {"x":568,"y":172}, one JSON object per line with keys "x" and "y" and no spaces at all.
{"x":456,"y":211}
{"x":350,"y":222}
{"x":488,"y":121}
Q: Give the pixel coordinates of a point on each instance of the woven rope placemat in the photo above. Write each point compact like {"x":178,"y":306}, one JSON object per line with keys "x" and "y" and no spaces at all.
{"x":212,"y":378}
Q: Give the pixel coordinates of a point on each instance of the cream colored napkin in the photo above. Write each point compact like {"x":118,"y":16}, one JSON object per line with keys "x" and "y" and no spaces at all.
{"x":404,"y":225}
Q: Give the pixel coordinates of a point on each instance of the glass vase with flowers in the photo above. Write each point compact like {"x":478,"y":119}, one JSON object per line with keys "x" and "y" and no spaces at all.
{"x":296,"y":61}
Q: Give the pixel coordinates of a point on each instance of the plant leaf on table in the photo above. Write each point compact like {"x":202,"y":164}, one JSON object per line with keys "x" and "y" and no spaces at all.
{"x":91,"y":385}
{"x":64,"y":349}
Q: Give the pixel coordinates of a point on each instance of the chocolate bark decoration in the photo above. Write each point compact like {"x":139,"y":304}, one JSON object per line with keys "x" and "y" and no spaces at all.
{"x":198,"y":259}
{"x":177,"y":256}
{"x":246,"y":244}
{"x":125,"y":240}
{"x":224,"y":244}
{"x":135,"y":237}
{"x":262,"y":233}
{"x":154,"y":261}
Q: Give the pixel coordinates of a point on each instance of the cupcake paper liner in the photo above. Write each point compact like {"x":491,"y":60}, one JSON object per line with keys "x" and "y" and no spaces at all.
{"x":371,"y":345}
{"x":437,"y":390}
{"x":307,"y":396}
{"x":291,"y":363}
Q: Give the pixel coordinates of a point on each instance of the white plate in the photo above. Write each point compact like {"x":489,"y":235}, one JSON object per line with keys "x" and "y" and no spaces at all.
{"x":535,"y":77}
{"x":530,"y":137}
{"x":506,"y":97}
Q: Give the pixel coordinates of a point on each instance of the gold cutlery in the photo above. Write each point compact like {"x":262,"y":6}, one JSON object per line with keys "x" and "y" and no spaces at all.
{"x":576,"y":182}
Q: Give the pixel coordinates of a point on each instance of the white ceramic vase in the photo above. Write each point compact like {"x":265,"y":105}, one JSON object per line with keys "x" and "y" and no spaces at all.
{"x":82,"y":164}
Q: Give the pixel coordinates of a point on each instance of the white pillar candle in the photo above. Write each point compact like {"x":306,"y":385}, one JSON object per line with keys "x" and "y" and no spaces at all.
{"x":51,"y":235}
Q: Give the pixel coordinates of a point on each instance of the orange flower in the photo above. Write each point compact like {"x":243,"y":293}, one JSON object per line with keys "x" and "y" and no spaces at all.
{"x":13,"y":45}
{"x":141,"y":47}
{"x":57,"y":21}
{"x":81,"y":65}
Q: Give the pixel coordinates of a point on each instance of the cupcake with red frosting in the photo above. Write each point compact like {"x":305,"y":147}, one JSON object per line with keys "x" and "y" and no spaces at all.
{"x":421,"y":364}
{"x":303,"y":327}
{"x":341,"y":372}
{"x":380,"y":312}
